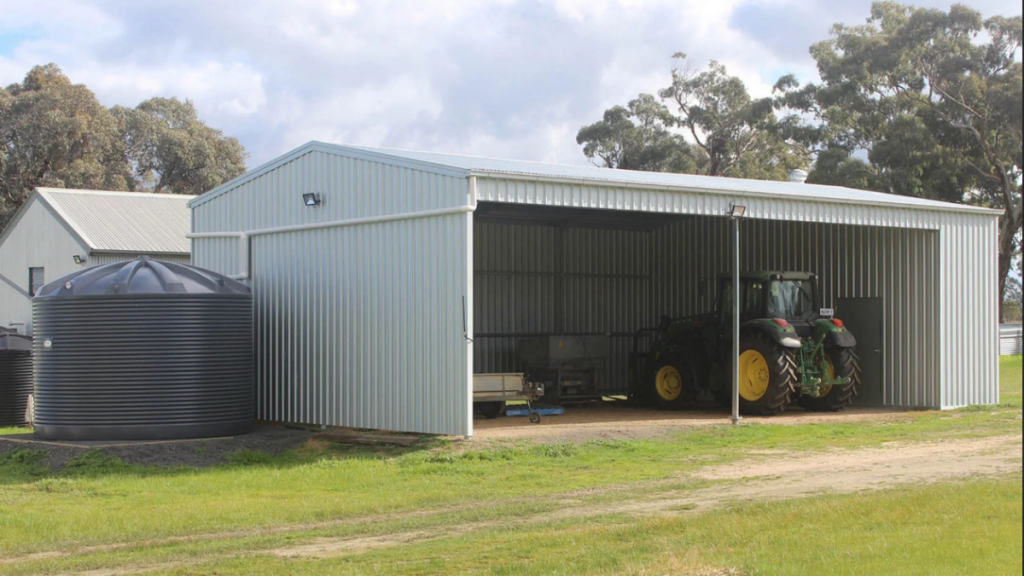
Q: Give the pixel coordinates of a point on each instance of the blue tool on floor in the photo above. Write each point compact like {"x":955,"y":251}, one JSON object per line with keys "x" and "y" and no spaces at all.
{"x":556,"y":411}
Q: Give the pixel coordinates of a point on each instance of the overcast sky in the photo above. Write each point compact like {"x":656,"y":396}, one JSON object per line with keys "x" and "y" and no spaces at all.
{"x":503,"y":78}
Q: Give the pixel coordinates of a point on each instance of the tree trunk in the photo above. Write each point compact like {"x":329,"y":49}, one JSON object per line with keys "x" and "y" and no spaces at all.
{"x":1009,"y":226}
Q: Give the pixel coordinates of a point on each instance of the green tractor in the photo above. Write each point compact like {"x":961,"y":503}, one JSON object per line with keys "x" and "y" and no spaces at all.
{"x":790,"y":350}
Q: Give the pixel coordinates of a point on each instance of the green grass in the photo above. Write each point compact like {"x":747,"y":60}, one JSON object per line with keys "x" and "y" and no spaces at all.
{"x":21,"y":466}
{"x":1010,"y":381}
{"x":99,"y":499}
{"x":332,"y":481}
{"x":922,"y":530}
{"x":916,"y":531}
{"x":14,"y":430}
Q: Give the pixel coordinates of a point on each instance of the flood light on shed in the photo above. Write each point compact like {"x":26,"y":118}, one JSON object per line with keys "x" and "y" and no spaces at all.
{"x":737,"y":211}
{"x":311,"y":199}
{"x":79,"y":258}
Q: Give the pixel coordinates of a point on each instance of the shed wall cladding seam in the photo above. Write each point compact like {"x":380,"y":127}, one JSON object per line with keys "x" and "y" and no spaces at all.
{"x":357,"y":326}
{"x":618,"y":281}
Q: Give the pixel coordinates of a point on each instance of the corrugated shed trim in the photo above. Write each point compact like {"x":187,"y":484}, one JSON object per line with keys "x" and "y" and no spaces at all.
{"x":702,"y":203}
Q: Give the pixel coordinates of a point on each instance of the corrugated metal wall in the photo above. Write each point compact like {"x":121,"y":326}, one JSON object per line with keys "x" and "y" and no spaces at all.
{"x":616,"y":281}
{"x":350,"y":188}
{"x":358,"y":326}
{"x":969,"y":293}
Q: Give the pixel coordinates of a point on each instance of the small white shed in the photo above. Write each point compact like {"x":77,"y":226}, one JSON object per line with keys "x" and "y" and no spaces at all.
{"x":58,"y":231}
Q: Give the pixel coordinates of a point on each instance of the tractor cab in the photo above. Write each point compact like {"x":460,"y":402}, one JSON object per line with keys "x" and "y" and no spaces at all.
{"x":791,"y":297}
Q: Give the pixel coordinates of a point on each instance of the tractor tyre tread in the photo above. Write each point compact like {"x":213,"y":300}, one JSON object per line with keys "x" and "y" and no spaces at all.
{"x":783,"y":382}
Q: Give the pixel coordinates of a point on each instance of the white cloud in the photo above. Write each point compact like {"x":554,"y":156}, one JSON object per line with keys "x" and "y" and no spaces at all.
{"x":359,"y":115}
{"x":512,"y":78}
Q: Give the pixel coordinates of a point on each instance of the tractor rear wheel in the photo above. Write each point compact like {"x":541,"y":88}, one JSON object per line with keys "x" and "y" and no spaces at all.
{"x":843,"y":363}
{"x":767,"y":375}
{"x":672,"y":384}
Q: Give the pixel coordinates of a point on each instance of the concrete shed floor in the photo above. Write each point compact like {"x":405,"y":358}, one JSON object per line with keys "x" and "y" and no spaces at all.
{"x":614,"y":421}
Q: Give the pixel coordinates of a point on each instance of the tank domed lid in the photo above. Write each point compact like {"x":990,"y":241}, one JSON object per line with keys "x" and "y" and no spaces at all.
{"x":10,"y":340}
{"x":142,"y":276}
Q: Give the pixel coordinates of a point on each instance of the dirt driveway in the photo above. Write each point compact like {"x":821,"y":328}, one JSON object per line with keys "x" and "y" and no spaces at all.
{"x":780,"y":476}
{"x":611,"y":421}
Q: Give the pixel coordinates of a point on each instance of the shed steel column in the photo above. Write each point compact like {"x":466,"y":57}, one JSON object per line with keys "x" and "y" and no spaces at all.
{"x":735,"y":319}
{"x":467,"y":304}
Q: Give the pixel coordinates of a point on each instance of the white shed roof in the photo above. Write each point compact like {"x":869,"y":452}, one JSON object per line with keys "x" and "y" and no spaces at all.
{"x":564,"y":173}
{"x":124,"y":221}
{"x":739,"y":186}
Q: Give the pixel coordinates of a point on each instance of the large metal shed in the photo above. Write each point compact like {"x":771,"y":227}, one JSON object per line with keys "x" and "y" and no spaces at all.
{"x":383,"y":279}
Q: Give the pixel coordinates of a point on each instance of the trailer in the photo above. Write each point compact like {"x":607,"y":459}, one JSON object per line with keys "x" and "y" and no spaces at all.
{"x":492,"y":391}
{"x":568,"y":365}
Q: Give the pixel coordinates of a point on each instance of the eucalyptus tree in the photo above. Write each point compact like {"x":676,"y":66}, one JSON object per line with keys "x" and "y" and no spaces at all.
{"x":638,"y":137}
{"x":711,"y":125}
{"x":172,"y":150}
{"x":738,"y":133}
{"x":919,"y":102}
{"x":56,"y":133}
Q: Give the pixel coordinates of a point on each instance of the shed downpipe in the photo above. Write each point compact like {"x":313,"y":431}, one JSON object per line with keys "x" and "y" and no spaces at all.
{"x":244,"y":244}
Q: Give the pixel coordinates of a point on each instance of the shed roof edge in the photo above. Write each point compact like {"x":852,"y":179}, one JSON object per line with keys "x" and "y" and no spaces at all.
{"x":337,"y":149}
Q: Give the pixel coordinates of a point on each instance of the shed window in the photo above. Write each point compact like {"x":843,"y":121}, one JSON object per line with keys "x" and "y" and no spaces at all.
{"x":35,"y":280}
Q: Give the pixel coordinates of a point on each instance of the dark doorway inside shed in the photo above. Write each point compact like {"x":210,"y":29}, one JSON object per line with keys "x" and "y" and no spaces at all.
{"x":586,"y":276}
{"x":863,"y":316}
{"x":542,"y":271}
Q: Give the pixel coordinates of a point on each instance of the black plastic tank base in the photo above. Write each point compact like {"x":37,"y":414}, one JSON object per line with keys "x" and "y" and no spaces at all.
{"x":143,"y":350}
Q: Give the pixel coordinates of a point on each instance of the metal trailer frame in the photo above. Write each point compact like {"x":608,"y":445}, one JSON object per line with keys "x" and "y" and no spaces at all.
{"x":507,"y":387}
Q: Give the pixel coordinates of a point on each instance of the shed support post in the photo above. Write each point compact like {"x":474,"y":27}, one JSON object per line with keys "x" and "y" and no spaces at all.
{"x":467,"y":303}
{"x":735,"y":320}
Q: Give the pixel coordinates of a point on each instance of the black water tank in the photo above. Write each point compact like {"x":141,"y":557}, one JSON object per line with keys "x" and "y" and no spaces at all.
{"x":15,"y":377}
{"x":143,"y":350}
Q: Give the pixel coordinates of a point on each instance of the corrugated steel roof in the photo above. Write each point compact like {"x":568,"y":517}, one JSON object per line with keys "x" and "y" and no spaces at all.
{"x":543,"y":170}
{"x":453,"y":164}
{"x":124,"y":221}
